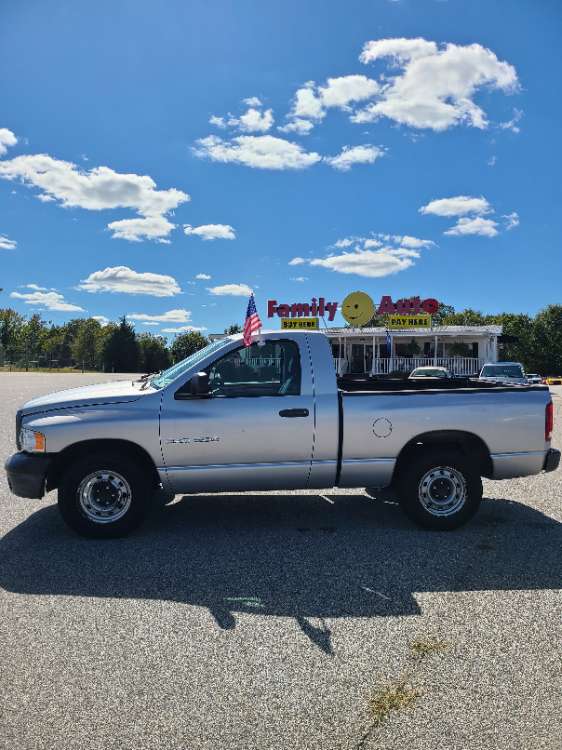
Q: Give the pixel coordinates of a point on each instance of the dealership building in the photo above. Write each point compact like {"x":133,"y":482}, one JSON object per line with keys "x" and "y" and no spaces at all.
{"x":461,"y":349}
{"x":408,"y":339}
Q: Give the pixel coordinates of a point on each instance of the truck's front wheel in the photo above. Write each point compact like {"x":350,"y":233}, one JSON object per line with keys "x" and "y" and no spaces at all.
{"x":102,"y":496}
{"x":440,"y":490}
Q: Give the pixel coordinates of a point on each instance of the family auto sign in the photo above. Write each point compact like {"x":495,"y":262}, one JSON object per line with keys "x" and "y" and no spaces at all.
{"x":358,"y":309}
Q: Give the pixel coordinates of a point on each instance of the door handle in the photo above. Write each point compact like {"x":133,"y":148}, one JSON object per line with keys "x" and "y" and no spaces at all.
{"x":293,"y":413}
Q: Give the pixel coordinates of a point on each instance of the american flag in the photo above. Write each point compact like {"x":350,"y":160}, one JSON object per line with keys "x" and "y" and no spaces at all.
{"x":252,"y":322}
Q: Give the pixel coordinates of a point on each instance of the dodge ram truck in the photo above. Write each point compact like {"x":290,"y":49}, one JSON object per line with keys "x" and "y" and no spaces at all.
{"x":274,"y":416}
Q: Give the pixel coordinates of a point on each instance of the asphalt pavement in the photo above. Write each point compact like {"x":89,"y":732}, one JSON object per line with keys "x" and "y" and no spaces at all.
{"x":270,"y":620}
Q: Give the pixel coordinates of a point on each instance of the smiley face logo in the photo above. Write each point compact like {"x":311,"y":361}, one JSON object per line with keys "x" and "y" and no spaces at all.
{"x":358,"y":309}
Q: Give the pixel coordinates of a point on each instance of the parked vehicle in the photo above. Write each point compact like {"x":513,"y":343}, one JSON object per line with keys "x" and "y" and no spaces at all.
{"x":511,"y":373}
{"x":554,"y":380}
{"x":272,"y":416}
{"x":534,"y":378}
{"x":436,"y":373}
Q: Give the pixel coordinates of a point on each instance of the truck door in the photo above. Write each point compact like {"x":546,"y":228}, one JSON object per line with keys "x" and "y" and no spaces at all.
{"x":255,"y":431}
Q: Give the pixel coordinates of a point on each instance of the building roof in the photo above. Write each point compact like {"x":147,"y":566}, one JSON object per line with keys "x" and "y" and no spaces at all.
{"x":489,"y":330}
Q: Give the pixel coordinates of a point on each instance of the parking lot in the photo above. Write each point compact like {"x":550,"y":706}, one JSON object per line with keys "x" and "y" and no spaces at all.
{"x":268,"y":620}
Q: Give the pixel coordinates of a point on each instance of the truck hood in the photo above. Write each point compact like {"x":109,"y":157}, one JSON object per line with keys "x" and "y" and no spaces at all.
{"x":117,"y":391}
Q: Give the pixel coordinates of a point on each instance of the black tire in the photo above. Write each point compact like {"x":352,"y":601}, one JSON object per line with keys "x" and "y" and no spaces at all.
{"x":134,"y":495}
{"x":425,"y":482}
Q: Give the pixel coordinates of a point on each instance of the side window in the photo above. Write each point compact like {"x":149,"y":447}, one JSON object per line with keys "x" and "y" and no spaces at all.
{"x":272,"y":369}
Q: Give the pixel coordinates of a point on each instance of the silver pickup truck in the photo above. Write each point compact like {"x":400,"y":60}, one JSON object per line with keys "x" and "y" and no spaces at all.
{"x":273,"y":416}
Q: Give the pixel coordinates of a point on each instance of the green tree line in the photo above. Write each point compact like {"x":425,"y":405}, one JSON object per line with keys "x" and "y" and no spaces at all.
{"x":83,"y":343}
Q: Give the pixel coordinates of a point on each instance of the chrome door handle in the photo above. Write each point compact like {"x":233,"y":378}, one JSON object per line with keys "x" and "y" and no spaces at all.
{"x":293,"y":413}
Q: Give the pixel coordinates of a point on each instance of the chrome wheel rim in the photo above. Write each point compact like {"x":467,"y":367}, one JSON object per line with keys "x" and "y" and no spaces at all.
{"x":104,"y":496}
{"x":442,"y":491}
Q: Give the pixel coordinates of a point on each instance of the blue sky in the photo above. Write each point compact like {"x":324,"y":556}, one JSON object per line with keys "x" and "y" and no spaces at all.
{"x":401,"y":147}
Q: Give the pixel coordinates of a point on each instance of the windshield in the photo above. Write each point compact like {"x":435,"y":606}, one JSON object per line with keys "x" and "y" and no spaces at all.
{"x":429,"y":373}
{"x":173,"y":372}
{"x":502,"y":371}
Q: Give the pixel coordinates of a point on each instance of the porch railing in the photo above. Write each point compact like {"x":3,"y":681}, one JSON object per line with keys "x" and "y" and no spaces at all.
{"x":386,"y":365}
{"x":457,"y":365}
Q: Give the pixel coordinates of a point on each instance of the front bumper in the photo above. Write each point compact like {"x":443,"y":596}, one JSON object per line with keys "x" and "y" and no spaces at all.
{"x":27,"y":473}
{"x":551,"y":460}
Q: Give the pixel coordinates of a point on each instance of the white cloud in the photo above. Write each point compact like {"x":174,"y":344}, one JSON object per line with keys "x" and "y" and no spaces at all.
{"x":150,"y":323}
{"x":511,"y":220}
{"x":412,"y":242}
{"x":470,"y":213}
{"x":297,"y":125}
{"x":126,"y":281}
{"x":254,"y":121}
{"x":211,"y":231}
{"x":492,"y":161}
{"x":354,"y":155}
{"x":369,"y":263}
{"x":380,"y":239}
{"x":512,"y":124}
{"x":307,"y":103}
{"x":297,"y":261}
{"x":434,"y":87}
{"x":7,"y":244}
{"x":341,"y":92}
{"x":48,"y":300}
{"x":231,"y":290}
{"x":218,"y":122}
{"x":203,"y":276}
{"x":172,"y":316}
{"x":260,"y":152}
{"x":102,"y":320}
{"x":99,"y":189}
{"x":311,"y":102}
{"x":299,"y":278}
{"x":373,"y":258}
{"x":38,"y":288}
{"x":7,"y":139}
{"x":135,"y":230}
{"x":467,"y":225}
{"x":183,"y":329}
{"x":460,"y":205}
{"x":400,"y":50}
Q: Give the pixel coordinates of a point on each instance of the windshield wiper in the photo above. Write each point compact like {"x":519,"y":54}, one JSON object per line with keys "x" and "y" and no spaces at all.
{"x":145,"y":379}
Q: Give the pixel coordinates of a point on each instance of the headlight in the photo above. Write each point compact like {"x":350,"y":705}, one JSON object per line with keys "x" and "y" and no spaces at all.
{"x":31,"y":441}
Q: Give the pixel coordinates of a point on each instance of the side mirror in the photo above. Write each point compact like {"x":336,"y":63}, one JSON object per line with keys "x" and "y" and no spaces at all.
{"x":197,"y":387}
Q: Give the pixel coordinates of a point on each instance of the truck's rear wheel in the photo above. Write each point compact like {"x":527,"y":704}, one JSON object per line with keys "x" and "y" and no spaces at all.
{"x":102,"y":496}
{"x":440,"y":490}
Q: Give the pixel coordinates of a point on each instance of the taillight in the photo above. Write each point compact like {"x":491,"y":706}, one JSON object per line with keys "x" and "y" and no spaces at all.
{"x":548,"y":421}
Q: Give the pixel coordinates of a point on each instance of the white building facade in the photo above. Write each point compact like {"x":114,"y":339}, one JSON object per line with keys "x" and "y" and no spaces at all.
{"x":378,"y":351}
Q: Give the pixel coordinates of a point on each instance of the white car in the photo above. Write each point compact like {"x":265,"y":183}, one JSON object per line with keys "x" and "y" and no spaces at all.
{"x":437,"y":373}
{"x":510,"y":373}
{"x":534,"y":378}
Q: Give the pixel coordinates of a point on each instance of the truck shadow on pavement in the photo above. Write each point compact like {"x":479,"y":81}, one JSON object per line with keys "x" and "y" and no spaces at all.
{"x":305,"y":557}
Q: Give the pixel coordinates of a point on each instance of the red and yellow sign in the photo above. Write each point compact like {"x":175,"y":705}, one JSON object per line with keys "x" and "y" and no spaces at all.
{"x":409,"y":321}
{"x":310,"y":324}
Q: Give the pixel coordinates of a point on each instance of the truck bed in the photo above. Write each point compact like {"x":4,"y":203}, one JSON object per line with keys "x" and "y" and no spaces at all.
{"x":382,"y":416}
{"x":353,"y":383}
